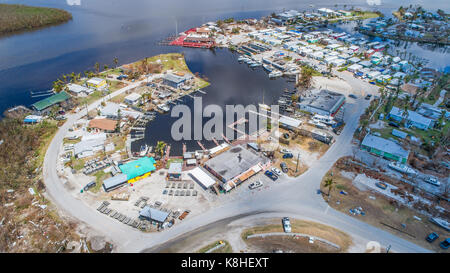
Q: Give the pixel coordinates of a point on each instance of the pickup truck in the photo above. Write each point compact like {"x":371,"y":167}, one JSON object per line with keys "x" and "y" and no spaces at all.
{"x":271,"y":175}
{"x":445,"y":244}
{"x":184,"y":214}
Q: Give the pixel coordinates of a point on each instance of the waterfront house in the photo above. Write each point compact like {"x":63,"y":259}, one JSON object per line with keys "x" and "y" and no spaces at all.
{"x":44,"y":106}
{"x":33,"y":119}
{"x":385,"y":148}
{"x":96,"y":83}
{"x":174,"y":172}
{"x":173,"y":80}
{"x":79,"y":90}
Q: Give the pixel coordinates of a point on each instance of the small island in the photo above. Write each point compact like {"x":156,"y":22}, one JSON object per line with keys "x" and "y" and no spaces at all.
{"x":14,"y":18}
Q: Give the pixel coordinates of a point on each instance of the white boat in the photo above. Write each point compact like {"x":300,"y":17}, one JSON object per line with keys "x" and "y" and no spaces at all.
{"x":144,"y":150}
{"x":267,"y":67}
{"x":401,"y":168}
{"x":317,"y":124}
{"x":163,"y":107}
{"x":255,"y":64}
{"x":242,"y":58}
{"x":275,"y":73}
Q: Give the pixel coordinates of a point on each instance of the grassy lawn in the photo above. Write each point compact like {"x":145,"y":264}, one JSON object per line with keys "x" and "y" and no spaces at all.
{"x":173,"y":160}
{"x":20,"y":17}
{"x":306,"y":227}
{"x":99,"y":177}
{"x":225,"y":249}
{"x":90,"y":99}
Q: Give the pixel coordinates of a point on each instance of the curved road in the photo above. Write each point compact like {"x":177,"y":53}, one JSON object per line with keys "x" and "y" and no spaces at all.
{"x":294,"y":197}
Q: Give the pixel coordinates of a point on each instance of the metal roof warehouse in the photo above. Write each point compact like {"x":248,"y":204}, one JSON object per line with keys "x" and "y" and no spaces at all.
{"x":50,"y":101}
{"x":152,"y":214}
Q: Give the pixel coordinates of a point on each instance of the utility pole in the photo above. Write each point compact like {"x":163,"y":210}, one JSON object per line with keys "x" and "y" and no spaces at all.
{"x":388,"y":248}
{"x":298,"y":157}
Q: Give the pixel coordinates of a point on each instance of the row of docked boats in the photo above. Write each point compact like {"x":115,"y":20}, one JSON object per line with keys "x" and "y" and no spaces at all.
{"x":273,"y":73}
{"x":251,"y":62}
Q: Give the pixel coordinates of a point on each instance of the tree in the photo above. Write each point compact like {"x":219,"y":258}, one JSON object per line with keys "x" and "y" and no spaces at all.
{"x":329,"y":183}
{"x":115,"y":61}
{"x":97,"y":67}
{"x":160,"y":147}
{"x":330,"y":68}
{"x":105,"y":67}
{"x":305,"y":77}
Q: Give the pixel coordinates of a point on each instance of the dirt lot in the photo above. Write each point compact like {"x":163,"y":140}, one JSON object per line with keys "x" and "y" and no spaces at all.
{"x":287,"y":244}
{"x":381,"y":211}
{"x":298,"y":226}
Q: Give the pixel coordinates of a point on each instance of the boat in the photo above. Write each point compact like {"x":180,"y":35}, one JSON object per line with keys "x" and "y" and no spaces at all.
{"x":256,"y":64}
{"x":440,"y":222}
{"x":381,"y":185}
{"x":403,"y":168}
{"x":163,"y":107}
{"x":144,"y":150}
{"x":242,"y":58}
{"x":275,"y":73}
{"x":317,"y":124}
{"x":267,"y":67}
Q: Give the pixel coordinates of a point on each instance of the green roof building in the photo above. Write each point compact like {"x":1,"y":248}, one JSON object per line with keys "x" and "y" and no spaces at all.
{"x":50,"y":101}
{"x":138,"y":169}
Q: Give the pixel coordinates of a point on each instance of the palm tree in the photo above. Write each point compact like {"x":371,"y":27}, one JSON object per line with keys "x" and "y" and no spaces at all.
{"x":329,"y":183}
{"x":97,"y":67}
{"x":160,"y":147}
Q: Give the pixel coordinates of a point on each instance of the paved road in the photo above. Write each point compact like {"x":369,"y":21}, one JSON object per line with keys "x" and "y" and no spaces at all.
{"x":294,"y":197}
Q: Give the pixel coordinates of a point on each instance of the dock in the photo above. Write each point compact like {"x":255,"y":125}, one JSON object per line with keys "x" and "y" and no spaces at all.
{"x":201,"y":146}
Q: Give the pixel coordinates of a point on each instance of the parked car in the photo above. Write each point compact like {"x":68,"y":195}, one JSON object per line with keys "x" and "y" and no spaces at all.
{"x":277,"y":171}
{"x":432,"y":180}
{"x":353,"y":96}
{"x":445,"y":244}
{"x":284,"y":167}
{"x":271,"y":175}
{"x":432,"y":237}
{"x":89,"y":185}
{"x":286,"y":135}
{"x":285,"y":151}
{"x":286,"y":224}
{"x":368,"y":97}
{"x":288,"y":155}
{"x":255,"y":185}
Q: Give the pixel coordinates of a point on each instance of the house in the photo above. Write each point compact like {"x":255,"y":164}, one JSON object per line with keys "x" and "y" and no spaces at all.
{"x":411,"y":118}
{"x":174,"y":172}
{"x":103,"y":124}
{"x":114,"y":111}
{"x":79,"y":90}
{"x":96,"y":83}
{"x":354,"y":68}
{"x":173,"y":80}
{"x":385,"y":148}
{"x":43,"y":106}
{"x":88,"y":147}
{"x":133,"y":99}
{"x":289,"y":123}
{"x":151,"y":214}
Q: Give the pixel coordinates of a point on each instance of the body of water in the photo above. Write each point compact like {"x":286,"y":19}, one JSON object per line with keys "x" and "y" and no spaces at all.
{"x":129,"y":30}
